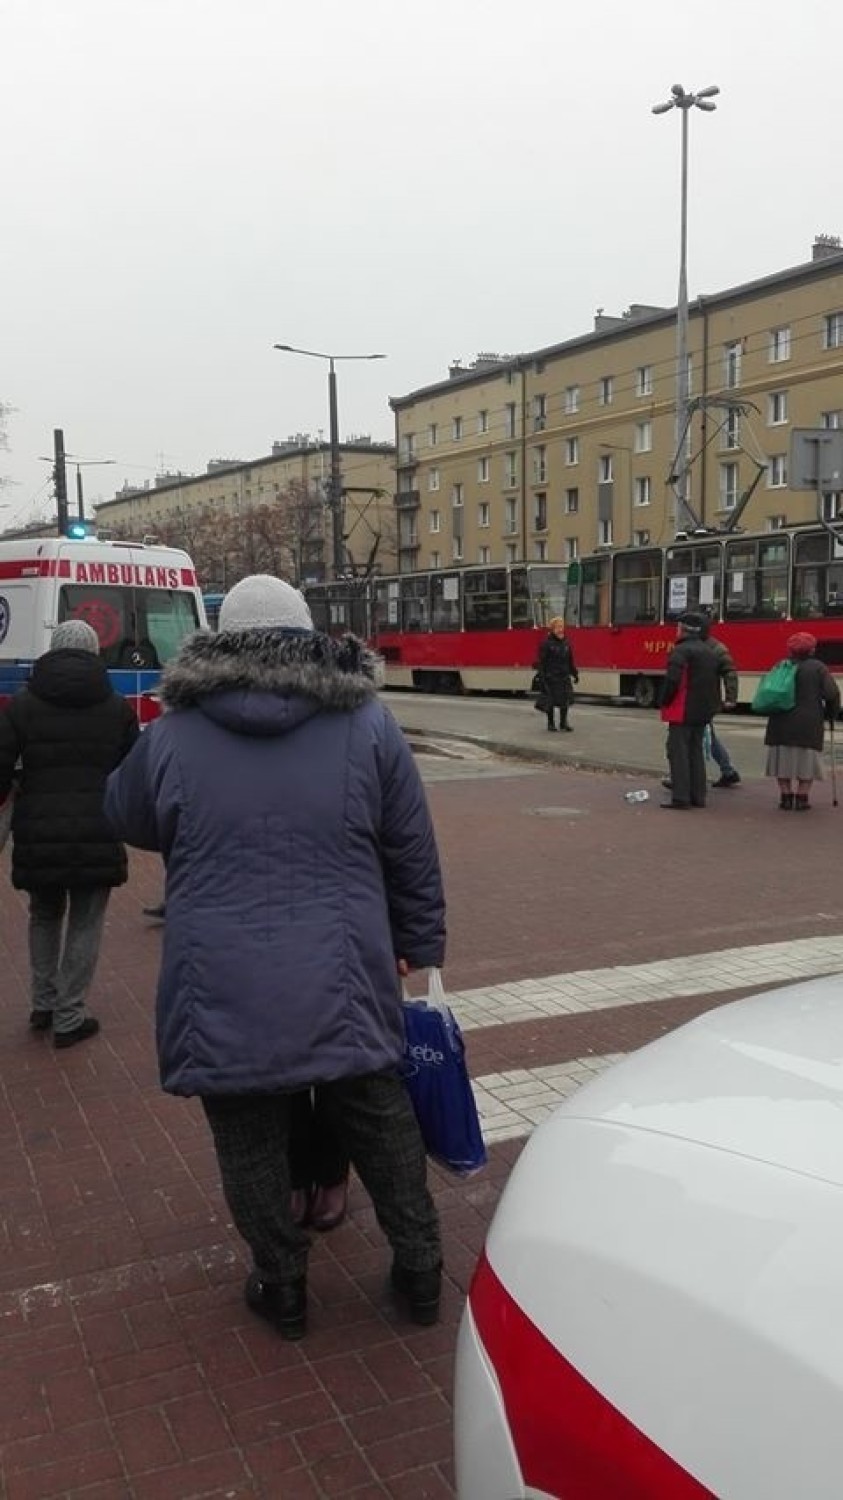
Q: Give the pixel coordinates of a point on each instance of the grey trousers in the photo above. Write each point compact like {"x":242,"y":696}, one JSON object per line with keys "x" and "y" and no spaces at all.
{"x":63,"y":962}
{"x":687,"y":764}
{"x":375,"y":1122}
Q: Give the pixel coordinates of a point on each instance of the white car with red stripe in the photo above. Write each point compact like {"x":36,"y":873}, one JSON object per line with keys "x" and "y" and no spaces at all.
{"x":658,"y":1313}
{"x":142,"y":600}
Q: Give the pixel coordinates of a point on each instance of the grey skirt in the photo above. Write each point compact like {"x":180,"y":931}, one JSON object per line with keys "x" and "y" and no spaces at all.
{"x":793,"y":762}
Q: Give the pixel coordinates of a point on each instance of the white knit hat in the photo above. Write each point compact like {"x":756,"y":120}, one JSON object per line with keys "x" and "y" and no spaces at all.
{"x":264,"y":603}
{"x":75,"y":635}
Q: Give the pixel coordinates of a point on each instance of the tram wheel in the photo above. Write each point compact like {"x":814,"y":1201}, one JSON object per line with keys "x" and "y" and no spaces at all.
{"x":644,"y":692}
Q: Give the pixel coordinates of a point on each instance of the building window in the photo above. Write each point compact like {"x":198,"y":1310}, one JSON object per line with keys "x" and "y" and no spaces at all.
{"x":510,"y":517}
{"x":571,"y":548}
{"x":456,"y":429}
{"x":408,"y":446}
{"x":606,"y":390}
{"x":571,"y":399}
{"x":572,"y":502}
{"x":482,"y":471}
{"x":644,"y":380}
{"x":510,"y":477}
{"x":540,"y":551}
{"x":776,"y":523}
{"x":436,"y":559}
{"x":777,"y":472}
{"x":731,"y":430}
{"x":776,"y":408}
{"x":831,"y":420}
{"x":482,"y":421}
{"x":833,"y":330}
{"x":643,"y":439}
{"x":484,"y":554}
{"x":540,"y":512}
{"x":728,"y":486}
{"x":640,"y":538}
{"x":510,"y":552}
{"x":509,"y":420}
{"x":456,"y":549}
{"x":779,"y":345}
{"x":539,"y":413}
{"x":435,"y":520}
{"x":433,"y":434}
{"x":539,"y":466}
{"x":604,"y":533}
{"x":456,"y":495}
{"x":605,"y":468}
{"x":433,"y":479}
{"x":643,"y":492}
{"x":572,"y":451}
{"x":483,"y":512}
{"x":732,"y":364}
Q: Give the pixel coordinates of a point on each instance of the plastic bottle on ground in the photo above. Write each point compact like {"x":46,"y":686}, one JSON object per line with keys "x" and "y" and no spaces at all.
{"x":641,"y":796}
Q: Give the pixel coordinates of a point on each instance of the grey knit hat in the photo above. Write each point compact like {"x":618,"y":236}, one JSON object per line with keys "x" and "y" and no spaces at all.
{"x":75,"y":635}
{"x":264,"y":603}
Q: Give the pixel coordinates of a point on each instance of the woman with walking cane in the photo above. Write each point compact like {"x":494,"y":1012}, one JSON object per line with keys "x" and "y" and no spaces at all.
{"x":794,"y":736}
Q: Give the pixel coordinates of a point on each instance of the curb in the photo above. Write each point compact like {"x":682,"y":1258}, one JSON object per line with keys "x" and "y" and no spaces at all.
{"x":535,"y":755}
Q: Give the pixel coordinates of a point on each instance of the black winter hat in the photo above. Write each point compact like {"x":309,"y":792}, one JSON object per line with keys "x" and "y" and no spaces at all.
{"x":693,"y":624}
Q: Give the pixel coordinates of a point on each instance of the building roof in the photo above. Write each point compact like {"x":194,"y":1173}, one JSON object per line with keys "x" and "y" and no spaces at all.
{"x":828,"y":263}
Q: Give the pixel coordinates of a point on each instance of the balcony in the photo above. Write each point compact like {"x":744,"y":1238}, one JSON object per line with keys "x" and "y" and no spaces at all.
{"x":408,"y":499}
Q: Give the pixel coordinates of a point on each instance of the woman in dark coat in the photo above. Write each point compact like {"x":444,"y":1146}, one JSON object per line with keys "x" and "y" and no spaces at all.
{"x":558,"y":673}
{"x":795,"y":737}
{"x":67,"y":729}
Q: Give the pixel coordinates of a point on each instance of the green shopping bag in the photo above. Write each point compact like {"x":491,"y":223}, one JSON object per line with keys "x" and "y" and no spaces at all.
{"x":776,"y":692}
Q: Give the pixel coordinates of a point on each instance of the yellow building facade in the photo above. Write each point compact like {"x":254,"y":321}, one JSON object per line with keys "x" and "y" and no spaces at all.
{"x":299,"y":468}
{"x":569,"y":449}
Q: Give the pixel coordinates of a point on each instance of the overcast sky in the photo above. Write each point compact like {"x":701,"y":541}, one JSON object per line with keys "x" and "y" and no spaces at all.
{"x":185,"y":182}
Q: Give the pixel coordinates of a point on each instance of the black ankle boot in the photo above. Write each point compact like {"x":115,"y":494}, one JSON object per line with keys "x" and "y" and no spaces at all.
{"x":420,"y":1290}
{"x":281,"y":1303}
{"x":801,"y":803}
{"x":785,"y":802}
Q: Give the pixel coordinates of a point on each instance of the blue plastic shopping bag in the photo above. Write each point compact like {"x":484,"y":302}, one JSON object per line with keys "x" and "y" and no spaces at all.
{"x":437,"y":1079}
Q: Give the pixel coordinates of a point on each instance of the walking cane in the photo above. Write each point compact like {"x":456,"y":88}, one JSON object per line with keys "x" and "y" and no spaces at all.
{"x":833,"y":766}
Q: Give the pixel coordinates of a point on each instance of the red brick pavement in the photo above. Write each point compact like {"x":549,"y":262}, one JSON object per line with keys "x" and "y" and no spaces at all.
{"x":131,"y":1369}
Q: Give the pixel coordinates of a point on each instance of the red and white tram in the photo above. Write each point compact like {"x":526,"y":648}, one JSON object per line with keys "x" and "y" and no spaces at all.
{"x":472,"y":629}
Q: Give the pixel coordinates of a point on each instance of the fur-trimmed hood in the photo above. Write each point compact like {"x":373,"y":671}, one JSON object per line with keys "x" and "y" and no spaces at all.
{"x":266,"y":682}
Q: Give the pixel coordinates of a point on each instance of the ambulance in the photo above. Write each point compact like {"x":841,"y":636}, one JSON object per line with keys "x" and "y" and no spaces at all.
{"x":142,"y":600}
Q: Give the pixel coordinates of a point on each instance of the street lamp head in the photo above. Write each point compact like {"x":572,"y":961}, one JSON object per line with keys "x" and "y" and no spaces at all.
{"x":707,"y":104}
{"x":708,"y":93}
{"x":663,"y":109}
{"x":677,"y":91}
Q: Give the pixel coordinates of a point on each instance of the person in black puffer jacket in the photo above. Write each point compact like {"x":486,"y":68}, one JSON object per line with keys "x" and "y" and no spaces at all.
{"x":65,"y":732}
{"x":690,"y":699}
{"x":558,"y":672}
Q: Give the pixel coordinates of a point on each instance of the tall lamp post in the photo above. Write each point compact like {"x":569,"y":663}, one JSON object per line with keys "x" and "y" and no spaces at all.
{"x":335,"y":498}
{"x":80,"y":464}
{"x":684,"y":102}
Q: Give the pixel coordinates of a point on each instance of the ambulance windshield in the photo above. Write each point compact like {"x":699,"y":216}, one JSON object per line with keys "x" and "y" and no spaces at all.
{"x":138,"y":628}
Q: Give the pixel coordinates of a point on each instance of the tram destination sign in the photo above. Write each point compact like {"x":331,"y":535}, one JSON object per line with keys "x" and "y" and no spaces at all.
{"x":816,"y":459}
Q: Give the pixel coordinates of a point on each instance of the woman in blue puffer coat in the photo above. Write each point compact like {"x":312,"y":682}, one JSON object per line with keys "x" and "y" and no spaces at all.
{"x":302,"y":879}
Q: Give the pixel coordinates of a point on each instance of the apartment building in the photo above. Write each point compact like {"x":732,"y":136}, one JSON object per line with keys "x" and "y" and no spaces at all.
{"x":295,"y":472}
{"x":556,"y":453}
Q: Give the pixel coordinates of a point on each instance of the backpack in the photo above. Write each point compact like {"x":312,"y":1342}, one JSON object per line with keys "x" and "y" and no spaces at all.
{"x":776,"y":692}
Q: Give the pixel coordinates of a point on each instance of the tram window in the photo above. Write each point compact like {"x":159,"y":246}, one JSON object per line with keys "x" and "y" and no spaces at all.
{"x":692,"y":580}
{"x":594,"y":592}
{"x":756,"y":579}
{"x":817,"y":577}
{"x":445,"y":601}
{"x":486,"y":604}
{"x":415,"y":603}
{"x":520,"y":608}
{"x":548,"y":592}
{"x":636,"y":587}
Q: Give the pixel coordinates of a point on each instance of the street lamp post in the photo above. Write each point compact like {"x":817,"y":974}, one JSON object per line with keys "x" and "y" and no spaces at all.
{"x":684,"y":102}
{"x":335,"y":499}
{"x":85,"y":463}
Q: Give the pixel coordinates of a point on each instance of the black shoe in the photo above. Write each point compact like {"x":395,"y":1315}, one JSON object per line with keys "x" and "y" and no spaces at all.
{"x":568,"y":728}
{"x":667,"y":783}
{"x":786,"y":802}
{"x":281,"y":1303}
{"x":420,"y":1290}
{"x":677,"y":806}
{"x":728,"y":780}
{"x":551,"y":728}
{"x":801,"y":803}
{"x":157,"y":913}
{"x":80,"y":1033}
{"x":40,"y":1020}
